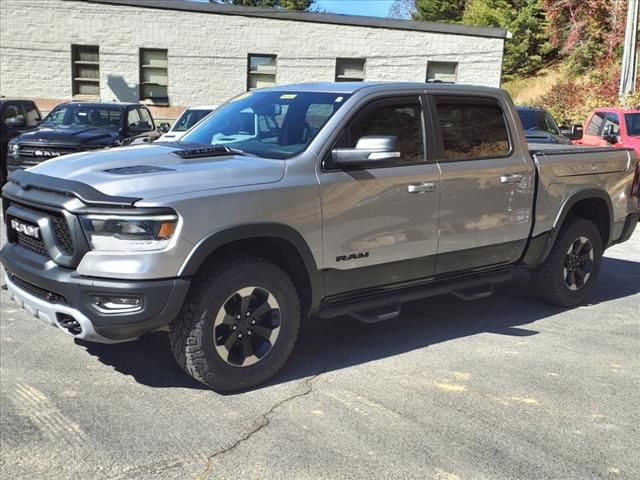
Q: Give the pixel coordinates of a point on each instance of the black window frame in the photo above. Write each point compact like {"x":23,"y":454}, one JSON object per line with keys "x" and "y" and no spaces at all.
{"x":75,"y":81}
{"x":468,"y":99}
{"x":326,"y":165}
{"x":160,"y":101}
{"x":343,"y":78}
{"x":249,"y":72}
{"x":438,"y":62}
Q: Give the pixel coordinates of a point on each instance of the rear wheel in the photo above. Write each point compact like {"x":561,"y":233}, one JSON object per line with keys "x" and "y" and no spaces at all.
{"x":239,"y":324}
{"x":568,"y":275}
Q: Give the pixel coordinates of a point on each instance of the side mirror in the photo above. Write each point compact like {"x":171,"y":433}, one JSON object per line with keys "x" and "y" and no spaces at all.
{"x":16,"y":122}
{"x":140,"y":127}
{"x":609,"y":134}
{"x":572,"y":132}
{"x":164,"y":127}
{"x":370,"y":150}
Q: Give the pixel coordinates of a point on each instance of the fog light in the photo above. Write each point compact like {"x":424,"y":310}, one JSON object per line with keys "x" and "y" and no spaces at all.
{"x":116,"y":303}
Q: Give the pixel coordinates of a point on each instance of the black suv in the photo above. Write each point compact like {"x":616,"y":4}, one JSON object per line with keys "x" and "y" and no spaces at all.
{"x":16,"y":117}
{"x":78,"y":126}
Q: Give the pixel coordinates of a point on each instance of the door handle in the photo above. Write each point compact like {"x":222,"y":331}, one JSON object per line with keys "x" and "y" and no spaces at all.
{"x":511,"y":178}
{"x":423,"y":187}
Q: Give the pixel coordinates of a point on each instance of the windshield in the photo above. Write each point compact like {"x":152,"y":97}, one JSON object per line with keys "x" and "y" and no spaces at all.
{"x":538,"y":120}
{"x":633,"y":124}
{"x":84,"y":115}
{"x":188,"y":119}
{"x":268,"y":123}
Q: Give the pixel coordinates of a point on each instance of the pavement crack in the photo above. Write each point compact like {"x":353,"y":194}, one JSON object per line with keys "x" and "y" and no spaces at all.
{"x":264,"y":422}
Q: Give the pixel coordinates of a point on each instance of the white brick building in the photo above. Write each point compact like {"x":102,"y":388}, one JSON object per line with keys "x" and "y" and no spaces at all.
{"x":176,"y":53}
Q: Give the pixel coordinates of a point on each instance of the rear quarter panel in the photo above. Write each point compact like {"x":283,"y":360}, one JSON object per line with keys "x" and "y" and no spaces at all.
{"x":565,"y":173}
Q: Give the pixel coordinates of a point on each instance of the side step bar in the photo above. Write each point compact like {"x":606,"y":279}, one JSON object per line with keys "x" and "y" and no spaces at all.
{"x":385,"y":306}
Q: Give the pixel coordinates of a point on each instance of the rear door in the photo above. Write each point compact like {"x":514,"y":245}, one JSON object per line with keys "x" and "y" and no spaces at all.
{"x":486,"y":184}
{"x":380,"y":224}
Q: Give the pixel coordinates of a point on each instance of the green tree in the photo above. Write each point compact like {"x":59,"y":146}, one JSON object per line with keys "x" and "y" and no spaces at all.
{"x":529,"y":46}
{"x":286,"y":4}
{"x":448,"y":11}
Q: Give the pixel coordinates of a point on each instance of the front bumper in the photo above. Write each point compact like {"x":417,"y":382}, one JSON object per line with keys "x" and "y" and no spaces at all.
{"x":60,"y":297}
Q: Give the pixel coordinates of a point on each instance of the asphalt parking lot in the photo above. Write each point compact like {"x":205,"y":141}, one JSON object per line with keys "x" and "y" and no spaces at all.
{"x":500,"y":388}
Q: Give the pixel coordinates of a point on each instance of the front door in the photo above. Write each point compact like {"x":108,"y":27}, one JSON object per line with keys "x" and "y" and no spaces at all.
{"x":486,"y":185}
{"x":380,"y":225}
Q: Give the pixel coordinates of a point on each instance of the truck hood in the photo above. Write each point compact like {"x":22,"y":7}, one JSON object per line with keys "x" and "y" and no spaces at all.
{"x":151,"y":171}
{"x":70,"y":135}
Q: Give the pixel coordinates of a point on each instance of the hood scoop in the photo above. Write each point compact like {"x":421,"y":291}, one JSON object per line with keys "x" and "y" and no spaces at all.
{"x":204,"y":152}
{"x":138,"y":170}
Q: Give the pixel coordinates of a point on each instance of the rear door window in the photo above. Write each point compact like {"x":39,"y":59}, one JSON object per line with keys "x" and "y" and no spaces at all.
{"x":595,"y":124}
{"x":32,"y":114}
{"x":11,"y":110}
{"x":471,"y":128}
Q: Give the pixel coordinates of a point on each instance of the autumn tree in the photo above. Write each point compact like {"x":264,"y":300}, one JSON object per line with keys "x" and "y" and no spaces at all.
{"x":448,"y":11}
{"x":587,"y":32}
{"x":286,"y":4}
{"x":529,"y":46}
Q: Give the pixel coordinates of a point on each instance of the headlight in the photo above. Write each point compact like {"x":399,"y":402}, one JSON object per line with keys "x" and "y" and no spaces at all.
{"x":107,"y":233}
{"x":12,"y":148}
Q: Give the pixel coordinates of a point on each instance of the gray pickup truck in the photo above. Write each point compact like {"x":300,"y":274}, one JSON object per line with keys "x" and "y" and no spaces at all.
{"x":314,"y":200}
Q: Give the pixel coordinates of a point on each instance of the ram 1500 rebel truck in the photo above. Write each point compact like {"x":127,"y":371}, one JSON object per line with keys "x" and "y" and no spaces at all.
{"x":341,"y":199}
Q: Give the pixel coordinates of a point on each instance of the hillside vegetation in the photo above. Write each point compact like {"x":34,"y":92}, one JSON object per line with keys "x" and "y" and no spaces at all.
{"x":565,"y":55}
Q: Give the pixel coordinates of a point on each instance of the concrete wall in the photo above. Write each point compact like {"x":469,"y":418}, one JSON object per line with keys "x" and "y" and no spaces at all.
{"x":207,"y":53}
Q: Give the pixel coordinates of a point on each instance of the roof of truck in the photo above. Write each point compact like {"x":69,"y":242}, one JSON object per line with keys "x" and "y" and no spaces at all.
{"x":352,"y":87}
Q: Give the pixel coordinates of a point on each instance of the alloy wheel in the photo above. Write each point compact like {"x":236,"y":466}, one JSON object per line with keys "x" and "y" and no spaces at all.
{"x":578,"y":263}
{"x":247,"y":326}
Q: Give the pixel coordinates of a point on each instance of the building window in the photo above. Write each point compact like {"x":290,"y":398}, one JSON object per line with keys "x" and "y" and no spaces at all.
{"x":154,"y":76}
{"x":350,"y":69}
{"x":261,"y":71}
{"x":86,"y":70}
{"x":445,"y":72}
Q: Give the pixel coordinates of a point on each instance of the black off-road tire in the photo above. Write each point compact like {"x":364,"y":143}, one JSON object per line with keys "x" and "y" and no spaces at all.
{"x":548,"y":278}
{"x":191,"y":334}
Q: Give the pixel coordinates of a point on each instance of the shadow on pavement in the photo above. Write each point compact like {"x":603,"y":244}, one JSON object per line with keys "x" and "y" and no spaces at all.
{"x":339,"y":343}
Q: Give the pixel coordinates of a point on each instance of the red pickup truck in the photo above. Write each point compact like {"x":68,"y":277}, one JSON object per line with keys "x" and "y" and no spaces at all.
{"x":619,"y":127}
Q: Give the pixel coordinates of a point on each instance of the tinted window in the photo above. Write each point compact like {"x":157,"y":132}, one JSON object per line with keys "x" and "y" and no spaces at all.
{"x":188,"y":119}
{"x":613,"y":122}
{"x":145,"y":118}
{"x":33,"y":115}
{"x":595,"y":124}
{"x":11,"y":110}
{"x":79,"y":115}
{"x":472,"y":128}
{"x":400,"y":117}
{"x":282,"y":121}
{"x":538,"y":120}
{"x":633,"y":123}
{"x":133,"y":117}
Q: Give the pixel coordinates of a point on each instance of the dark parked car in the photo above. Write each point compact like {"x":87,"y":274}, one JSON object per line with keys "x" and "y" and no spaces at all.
{"x":78,"y":126}
{"x":540,"y":127}
{"x":17,"y":116}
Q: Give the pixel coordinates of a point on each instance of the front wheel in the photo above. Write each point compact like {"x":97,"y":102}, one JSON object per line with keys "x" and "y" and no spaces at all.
{"x":238,"y":325}
{"x":568,"y":275}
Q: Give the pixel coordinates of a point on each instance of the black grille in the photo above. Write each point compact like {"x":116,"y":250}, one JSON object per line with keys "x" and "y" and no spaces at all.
{"x":44,"y":152}
{"x":63,"y":234}
{"x":60,"y":229}
{"x":34,"y":244}
{"x":36,"y":291}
